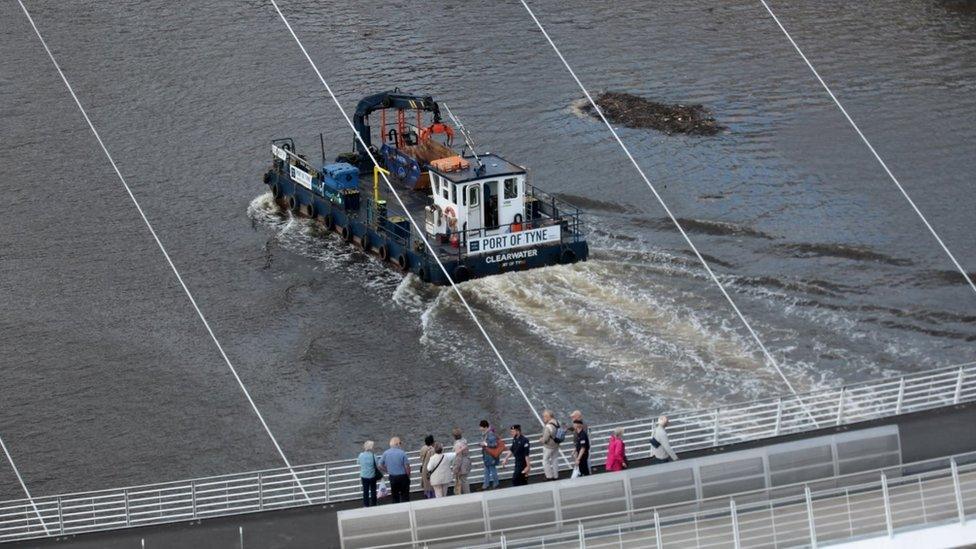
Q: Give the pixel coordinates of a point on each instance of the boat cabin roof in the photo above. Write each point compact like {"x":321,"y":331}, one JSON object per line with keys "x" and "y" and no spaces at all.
{"x":495,"y":166}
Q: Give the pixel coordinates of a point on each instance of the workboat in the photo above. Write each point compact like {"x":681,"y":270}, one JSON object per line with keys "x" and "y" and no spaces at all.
{"x":478,"y":213}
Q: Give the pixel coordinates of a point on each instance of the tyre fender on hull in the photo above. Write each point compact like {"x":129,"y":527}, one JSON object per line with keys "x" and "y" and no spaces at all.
{"x":402,"y":261}
{"x":364,"y":242}
{"x":293,"y":204}
{"x":462,"y":273}
{"x":311,"y":210}
{"x":567,"y":256}
{"x":267,"y":177}
{"x":329,"y":222}
{"x":384,"y":252}
{"x":346,"y":233}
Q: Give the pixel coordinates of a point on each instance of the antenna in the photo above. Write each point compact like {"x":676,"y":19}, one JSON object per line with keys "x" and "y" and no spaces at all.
{"x":322,"y":144}
{"x":468,"y":142}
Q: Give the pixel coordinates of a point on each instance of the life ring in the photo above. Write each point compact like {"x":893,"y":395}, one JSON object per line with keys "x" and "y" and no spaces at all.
{"x":462,"y":273}
{"x":364,"y":242}
{"x":329,"y":222}
{"x":276,"y":191}
{"x":293,"y":203}
{"x":452,"y":220}
{"x":384,"y":252}
{"x":567,"y":256}
{"x":402,"y":261}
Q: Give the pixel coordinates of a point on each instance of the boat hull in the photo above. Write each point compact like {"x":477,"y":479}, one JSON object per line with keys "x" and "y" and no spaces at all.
{"x":410,"y":255}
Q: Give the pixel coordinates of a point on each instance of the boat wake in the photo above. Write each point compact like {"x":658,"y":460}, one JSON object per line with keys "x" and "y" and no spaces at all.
{"x":632,"y":321}
{"x":307,"y":238}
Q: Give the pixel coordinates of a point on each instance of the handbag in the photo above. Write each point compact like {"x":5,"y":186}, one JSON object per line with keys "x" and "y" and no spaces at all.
{"x":377,"y":474}
{"x":498,"y":449}
{"x":655,"y":443}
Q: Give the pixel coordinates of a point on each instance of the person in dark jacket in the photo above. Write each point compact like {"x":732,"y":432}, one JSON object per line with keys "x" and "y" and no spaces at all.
{"x":582,"y":451}
{"x":520,"y":451}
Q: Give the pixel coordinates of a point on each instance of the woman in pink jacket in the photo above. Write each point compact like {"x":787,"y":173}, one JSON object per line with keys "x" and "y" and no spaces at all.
{"x":616,"y":454}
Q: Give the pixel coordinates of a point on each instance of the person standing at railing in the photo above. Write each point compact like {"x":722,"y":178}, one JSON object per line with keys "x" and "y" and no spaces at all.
{"x":661,"y":451}
{"x":550,"y":441}
{"x":616,"y":452}
{"x":581,"y":455}
{"x":395,"y":463}
{"x":369,"y":474}
{"x":520,"y":450}
{"x":491,"y":448}
{"x":426,"y":451}
{"x":439,"y":470}
{"x":461,"y":466}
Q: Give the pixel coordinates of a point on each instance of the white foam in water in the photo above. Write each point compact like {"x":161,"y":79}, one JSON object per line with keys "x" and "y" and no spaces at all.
{"x":306,"y":237}
{"x":622,"y":315}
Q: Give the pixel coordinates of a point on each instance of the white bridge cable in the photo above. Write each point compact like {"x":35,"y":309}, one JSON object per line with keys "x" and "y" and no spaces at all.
{"x":413,"y":222}
{"x":169,"y":260}
{"x":864,"y":138}
{"x":20,"y":479}
{"x":769,"y":357}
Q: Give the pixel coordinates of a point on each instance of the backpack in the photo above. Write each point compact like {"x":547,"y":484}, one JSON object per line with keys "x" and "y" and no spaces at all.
{"x":560,"y":435}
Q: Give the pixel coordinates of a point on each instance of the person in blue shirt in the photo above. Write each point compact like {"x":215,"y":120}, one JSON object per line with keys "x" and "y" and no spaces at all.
{"x":368,"y":469}
{"x":394,"y":462}
{"x":489,"y":440}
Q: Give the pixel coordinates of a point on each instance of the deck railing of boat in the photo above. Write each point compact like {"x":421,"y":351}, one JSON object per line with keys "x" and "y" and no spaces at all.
{"x":333,"y":481}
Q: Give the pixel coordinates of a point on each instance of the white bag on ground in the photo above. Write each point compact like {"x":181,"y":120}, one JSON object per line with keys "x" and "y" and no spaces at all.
{"x":383,"y":489}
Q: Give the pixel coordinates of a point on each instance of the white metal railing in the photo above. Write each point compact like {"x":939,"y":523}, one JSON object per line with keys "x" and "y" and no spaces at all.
{"x":339,"y":480}
{"x":806,"y":518}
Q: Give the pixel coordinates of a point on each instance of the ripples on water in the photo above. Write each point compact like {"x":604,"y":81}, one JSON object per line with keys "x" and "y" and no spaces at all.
{"x":813,"y":242}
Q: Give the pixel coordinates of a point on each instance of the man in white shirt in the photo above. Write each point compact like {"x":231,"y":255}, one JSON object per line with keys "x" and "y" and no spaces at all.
{"x":661,"y":451}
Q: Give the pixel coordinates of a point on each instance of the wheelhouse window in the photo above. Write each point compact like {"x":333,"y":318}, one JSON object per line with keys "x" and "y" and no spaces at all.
{"x":473,"y":195}
{"x":511,"y":188}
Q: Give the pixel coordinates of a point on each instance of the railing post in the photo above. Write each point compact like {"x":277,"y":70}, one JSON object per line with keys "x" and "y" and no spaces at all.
{"x":718,"y":411}
{"x":657,"y":529}
{"x":502,"y":541}
{"x":735,"y":523}
{"x":582,"y":536}
{"x":60,"y":516}
{"x":813,"y":527}
{"x":779,"y":416}
{"x":958,"y":489}
{"x":125,"y":495}
{"x":958,"y":394}
{"x":260,"y":491}
{"x":193,"y":497}
{"x":887,"y":504}
{"x":840,"y":405}
{"x":901,"y":395}
{"x":326,"y":472}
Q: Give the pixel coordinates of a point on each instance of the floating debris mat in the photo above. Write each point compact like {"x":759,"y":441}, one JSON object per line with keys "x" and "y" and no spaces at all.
{"x":637,"y":112}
